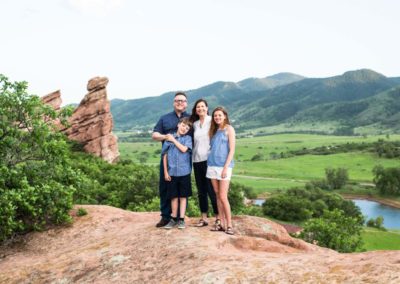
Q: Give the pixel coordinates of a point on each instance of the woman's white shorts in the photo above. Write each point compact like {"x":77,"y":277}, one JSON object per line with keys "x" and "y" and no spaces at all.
{"x":215,"y":173}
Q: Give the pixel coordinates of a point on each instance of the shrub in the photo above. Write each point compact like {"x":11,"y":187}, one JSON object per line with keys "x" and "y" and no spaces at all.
{"x":387,"y":180}
{"x":334,"y":230}
{"x":33,"y":163}
{"x":336,"y":178}
{"x":81,"y":212}
{"x":376,"y":223}
{"x":299,"y":204}
{"x":257,"y":157}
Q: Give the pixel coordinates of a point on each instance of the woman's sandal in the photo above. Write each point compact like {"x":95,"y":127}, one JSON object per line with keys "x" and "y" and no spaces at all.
{"x":202,"y":223}
{"x":229,"y":231}
{"x":217,"y":226}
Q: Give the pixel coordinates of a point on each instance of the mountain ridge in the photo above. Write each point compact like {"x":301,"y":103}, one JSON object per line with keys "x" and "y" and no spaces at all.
{"x":273,"y":100}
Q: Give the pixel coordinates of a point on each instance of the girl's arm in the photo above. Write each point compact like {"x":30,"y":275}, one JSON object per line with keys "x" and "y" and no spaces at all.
{"x":232,"y":143}
{"x":165,"y":163}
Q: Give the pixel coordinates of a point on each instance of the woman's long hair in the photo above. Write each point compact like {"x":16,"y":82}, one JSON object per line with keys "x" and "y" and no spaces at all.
{"x":214,"y":127}
{"x":194,"y":116}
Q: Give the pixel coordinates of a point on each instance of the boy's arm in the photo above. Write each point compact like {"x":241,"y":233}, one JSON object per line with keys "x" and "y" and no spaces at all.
{"x":181,"y":147}
{"x":165,"y":163}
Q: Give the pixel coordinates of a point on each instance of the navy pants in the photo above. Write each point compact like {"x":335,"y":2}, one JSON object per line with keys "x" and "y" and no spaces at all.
{"x":204,"y":187}
{"x":165,"y":202}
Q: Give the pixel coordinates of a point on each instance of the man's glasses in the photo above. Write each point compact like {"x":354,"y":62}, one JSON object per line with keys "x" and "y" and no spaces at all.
{"x":180,"y":101}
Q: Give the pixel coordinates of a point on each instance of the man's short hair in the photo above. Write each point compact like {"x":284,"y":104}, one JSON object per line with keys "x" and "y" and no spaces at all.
{"x":181,"y":94}
{"x":186,"y":121}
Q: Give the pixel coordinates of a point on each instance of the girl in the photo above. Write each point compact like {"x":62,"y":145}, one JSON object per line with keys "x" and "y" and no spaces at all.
{"x":201,"y":140}
{"x":220,"y":164}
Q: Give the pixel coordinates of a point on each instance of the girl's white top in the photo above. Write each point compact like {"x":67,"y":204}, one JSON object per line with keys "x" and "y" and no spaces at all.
{"x":201,"y":140}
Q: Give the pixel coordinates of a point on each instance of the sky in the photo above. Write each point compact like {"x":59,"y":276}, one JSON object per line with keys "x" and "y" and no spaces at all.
{"x":150,"y":47}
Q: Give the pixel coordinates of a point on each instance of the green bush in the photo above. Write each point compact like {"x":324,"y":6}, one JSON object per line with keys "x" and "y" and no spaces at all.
{"x":336,"y":178}
{"x":257,"y":157}
{"x":299,"y":204}
{"x":33,"y":162}
{"x":376,"y":223}
{"x":334,"y":230}
{"x":81,"y":212}
{"x":387,"y":180}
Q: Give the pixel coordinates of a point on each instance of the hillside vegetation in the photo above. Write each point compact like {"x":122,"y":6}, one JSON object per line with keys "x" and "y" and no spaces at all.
{"x":361,"y":101}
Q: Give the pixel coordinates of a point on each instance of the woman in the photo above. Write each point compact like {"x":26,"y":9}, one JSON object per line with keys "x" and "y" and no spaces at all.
{"x":220,"y":164}
{"x":201,"y":145}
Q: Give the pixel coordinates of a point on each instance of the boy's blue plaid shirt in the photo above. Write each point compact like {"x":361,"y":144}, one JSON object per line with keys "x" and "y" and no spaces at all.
{"x":179,"y":164}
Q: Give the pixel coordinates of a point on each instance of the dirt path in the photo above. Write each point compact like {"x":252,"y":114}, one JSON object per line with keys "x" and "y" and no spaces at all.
{"x":270,"y":178}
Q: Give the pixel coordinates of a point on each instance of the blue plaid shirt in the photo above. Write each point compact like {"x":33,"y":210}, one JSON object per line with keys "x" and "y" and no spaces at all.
{"x":179,"y":164}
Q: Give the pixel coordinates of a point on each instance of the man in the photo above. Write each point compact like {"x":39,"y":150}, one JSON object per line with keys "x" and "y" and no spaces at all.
{"x":165,"y":127}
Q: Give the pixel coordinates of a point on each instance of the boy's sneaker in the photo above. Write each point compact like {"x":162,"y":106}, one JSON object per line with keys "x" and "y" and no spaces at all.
{"x":170,"y":224}
{"x":181,"y":224}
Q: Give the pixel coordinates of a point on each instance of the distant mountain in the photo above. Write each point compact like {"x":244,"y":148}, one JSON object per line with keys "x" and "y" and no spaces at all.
{"x":259,"y":84}
{"x":129,"y":114}
{"x":354,"y":99}
{"x":307,"y":100}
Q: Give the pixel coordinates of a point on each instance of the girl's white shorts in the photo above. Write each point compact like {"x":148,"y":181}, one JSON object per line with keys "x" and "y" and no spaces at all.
{"x":215,"y":173}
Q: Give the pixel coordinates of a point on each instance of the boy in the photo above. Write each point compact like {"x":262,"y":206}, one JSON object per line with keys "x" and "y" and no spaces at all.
{"x":177,"y":163}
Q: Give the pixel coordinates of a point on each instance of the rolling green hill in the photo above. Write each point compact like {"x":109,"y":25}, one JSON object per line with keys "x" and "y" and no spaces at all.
{"x":359,"y":99}
{"x":129,"y":114}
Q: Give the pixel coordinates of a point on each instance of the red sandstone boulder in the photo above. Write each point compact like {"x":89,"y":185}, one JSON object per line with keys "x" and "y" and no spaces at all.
{"x":110,"y":245}
{"x":91,"y":123}
{"x":53,"y":99}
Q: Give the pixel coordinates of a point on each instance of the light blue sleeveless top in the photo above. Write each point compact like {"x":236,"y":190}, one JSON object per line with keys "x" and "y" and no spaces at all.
{"x":219,"y":150}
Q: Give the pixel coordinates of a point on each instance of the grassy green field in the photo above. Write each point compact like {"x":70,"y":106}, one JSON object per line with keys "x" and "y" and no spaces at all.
{"x":270,"y":175}
{"x":375,"y":239}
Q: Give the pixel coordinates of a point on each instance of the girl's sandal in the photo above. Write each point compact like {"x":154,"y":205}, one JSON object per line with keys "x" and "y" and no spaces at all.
{"x":229,"y":231}
{"x":202,"y":223}
{"x":217,"y":226}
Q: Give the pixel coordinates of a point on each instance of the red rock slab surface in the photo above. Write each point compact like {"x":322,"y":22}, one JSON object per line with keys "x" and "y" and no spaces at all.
{"x":110,"y":245}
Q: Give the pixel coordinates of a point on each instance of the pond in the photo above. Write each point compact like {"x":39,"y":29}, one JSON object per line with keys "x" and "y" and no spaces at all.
{"x":372,"y":209}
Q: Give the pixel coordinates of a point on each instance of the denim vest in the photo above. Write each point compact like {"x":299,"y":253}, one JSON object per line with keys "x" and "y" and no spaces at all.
{"x":219,"y":150}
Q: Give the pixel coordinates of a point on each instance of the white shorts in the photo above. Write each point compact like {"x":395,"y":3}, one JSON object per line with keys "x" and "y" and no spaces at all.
{"x":215,"y":173}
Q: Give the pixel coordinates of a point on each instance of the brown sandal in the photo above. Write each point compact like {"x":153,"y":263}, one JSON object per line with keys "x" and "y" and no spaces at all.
{"x":229,"y":231}
{"x":217,"y":226}
{"x":202,"y":223}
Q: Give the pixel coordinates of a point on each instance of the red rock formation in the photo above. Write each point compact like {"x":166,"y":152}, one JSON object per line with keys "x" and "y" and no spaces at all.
{"x":53,"y":99}
{"x":110,"y":245}
{"x":91,"y":123}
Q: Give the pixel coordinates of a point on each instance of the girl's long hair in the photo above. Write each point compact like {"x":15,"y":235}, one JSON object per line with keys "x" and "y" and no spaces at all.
{"x":194,"y":116}
{"x":214,"y":127}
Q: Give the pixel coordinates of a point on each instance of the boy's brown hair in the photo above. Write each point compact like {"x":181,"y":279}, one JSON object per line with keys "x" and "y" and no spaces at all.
{"x":186,"y":121}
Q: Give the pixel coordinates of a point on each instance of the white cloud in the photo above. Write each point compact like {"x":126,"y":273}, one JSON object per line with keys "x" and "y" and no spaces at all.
{"x":100,"y":8}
